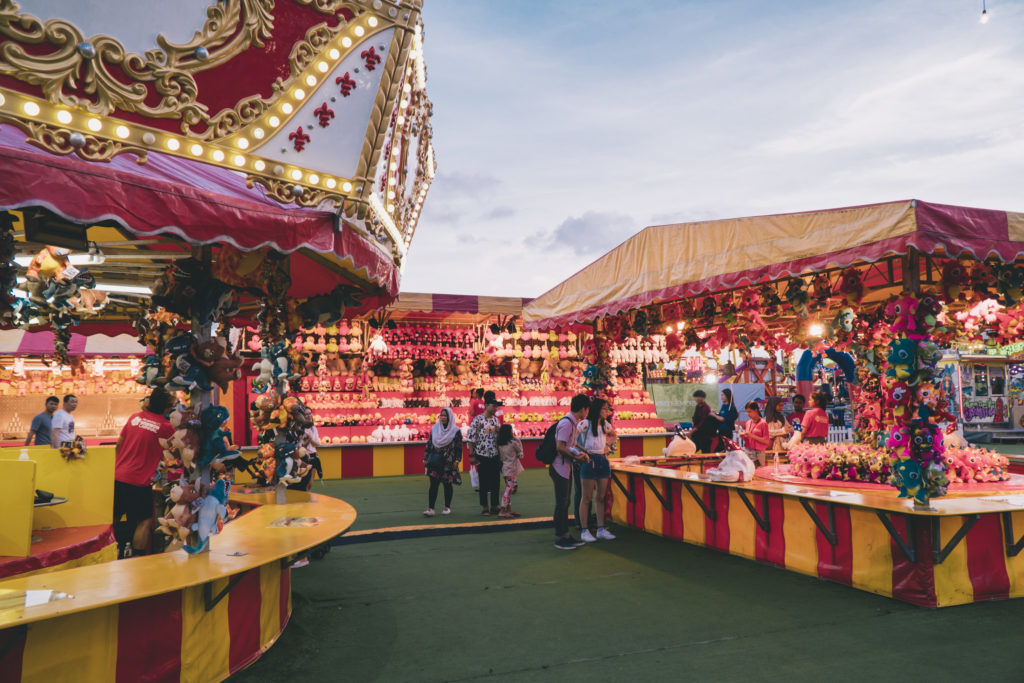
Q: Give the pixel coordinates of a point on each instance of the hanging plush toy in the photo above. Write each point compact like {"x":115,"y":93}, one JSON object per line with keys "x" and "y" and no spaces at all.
{"x":898,"y":398}
{"x":907,"y":476}
{"x":902,"y":313}
{"x":211,"y":516}
{"x":1010,"y":283}
{"x":851,"y":286}
{"x":982,"y":279}
{"x":708,"y":310}
{"x":954,"y":278}
{"x":215,"y":446}
{"x":797,"y":296}
{"x":903,"y":359}
{"x":821,"y":290}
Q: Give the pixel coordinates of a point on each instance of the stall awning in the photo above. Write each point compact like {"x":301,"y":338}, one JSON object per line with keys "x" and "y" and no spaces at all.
{"x":199,"y":203}
{"x":458,"y":303}
{"x":668,"y":262}
{"x":22,"y":343}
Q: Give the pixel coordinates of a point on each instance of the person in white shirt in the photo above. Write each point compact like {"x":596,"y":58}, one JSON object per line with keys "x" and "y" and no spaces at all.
{"x":62,"y":426}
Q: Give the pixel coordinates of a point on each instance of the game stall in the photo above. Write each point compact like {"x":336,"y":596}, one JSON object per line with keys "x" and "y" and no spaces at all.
{"x":909,"y":510}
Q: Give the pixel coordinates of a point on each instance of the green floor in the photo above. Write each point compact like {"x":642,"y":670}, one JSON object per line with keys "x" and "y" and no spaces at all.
{"x":509,"y":607}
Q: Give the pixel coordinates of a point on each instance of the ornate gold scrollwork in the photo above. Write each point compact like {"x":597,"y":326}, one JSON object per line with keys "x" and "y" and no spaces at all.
{"x":74,"y":64}
{"x":63,"y":141}
{"x":284,"y":192}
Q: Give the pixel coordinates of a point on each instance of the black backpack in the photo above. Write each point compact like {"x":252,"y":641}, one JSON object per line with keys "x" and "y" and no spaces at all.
{"x":547,"y":451}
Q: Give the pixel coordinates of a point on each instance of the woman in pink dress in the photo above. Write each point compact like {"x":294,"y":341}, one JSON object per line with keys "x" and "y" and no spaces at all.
{"x":755,"y":434}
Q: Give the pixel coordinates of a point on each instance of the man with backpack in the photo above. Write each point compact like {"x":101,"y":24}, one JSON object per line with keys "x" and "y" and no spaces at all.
{"x":557,"y":451}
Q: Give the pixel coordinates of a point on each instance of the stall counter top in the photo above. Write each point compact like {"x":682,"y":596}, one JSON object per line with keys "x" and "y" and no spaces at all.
{"x":250,"y":535}
{"x":939,"y":507}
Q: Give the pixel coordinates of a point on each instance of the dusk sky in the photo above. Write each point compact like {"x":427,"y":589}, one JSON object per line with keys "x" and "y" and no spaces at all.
{"x":561,"y":129}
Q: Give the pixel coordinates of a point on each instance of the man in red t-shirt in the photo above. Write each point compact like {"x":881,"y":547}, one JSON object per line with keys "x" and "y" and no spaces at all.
{"x":136,"y":457}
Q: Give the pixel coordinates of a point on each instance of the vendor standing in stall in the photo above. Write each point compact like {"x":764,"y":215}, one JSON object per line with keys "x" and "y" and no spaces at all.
{"x":704,"y":425}
{"x":62,"y":425}
{"x":42,"y":424}
{"x":814,"y":428}
{"x":136,"y":457}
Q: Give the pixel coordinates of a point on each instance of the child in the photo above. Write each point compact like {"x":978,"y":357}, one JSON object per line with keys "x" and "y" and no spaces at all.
{"x":510,"y":450}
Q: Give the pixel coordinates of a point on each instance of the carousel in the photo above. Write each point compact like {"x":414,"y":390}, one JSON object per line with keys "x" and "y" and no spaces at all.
{"x":909,"y":509}
{"x":174,"y":174}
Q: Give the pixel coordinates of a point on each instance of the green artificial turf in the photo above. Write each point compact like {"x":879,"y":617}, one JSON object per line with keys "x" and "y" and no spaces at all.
{"x":507,"y":606}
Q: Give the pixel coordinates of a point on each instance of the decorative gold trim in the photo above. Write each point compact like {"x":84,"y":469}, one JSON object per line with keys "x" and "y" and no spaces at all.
{"x":283,"y":191}
{"x":59,"y":141}
{"x":74,"y":63}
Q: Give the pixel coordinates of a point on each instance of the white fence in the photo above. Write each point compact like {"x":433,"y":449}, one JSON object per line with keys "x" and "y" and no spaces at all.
{"x":839,"y":434}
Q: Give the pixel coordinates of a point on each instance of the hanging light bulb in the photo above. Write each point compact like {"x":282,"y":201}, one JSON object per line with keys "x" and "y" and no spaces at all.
{"x":984,"y":13}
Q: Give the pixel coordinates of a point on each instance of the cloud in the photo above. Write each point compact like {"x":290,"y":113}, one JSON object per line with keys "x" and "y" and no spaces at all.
{"x":499,"y":212}
{"x":459,"y":183}
{"x":595,"y":232}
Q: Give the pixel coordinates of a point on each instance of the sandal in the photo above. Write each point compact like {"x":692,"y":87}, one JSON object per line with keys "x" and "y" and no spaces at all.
{"x":506,"y":515}
{"x":486,"y":512}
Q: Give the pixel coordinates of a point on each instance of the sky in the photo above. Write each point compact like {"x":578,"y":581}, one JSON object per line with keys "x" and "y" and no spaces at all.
{"x":563,"y":128}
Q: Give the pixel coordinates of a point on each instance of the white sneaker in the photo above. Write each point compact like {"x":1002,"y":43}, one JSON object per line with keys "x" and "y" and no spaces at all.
{"x":446,"y":511}
{"x":605,"y":535}
{"x":429,"y":512}
{"x":587,"y":536}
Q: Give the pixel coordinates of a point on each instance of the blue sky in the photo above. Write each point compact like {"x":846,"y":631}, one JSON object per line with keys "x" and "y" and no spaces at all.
{"x":561,"y":129}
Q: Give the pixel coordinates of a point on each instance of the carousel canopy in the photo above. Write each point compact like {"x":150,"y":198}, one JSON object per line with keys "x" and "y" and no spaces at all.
{"x":163,"y":117}
{"x":668,"y":262}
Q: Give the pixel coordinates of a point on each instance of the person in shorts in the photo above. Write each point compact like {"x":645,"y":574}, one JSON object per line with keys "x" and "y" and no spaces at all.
{"x":62,"y":424}
{"x":136,"y":457}
{"x":594,"y":435}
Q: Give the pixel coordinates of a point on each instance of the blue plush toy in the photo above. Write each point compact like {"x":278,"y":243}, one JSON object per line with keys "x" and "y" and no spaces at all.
{"x":908,"y":475}
{"x":903,"y":359}
{"x":214,"y":445}
{"x":212,"y":509}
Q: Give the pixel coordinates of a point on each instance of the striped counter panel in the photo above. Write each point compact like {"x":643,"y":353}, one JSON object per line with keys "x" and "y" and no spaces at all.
{"x":975,"y":565}
{"x":171,"y":637}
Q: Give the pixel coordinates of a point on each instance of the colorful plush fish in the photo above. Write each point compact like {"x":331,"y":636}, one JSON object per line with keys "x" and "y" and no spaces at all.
{"x":212,"y":511}
{"x":907,"y":476}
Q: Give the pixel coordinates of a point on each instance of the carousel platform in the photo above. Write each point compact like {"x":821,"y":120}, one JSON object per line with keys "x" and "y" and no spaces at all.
{"x":167,"y":617}
{"x":963,"y":548}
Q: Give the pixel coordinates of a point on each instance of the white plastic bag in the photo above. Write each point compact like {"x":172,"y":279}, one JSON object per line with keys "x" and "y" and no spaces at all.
{"x":735,"y":466}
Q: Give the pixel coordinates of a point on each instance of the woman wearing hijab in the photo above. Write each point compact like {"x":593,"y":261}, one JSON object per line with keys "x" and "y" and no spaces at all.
{"x":727,"y":416}
{"x":441,"y":458}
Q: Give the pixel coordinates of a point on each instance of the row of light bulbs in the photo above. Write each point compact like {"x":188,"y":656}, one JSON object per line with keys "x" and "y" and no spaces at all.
{"x":35,"y":109}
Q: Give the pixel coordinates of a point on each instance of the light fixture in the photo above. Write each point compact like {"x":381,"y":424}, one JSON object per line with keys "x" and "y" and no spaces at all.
{"x":322,"y":67}
{"x":94,"y":125}
{"x":346,"y":42}
{"x":347,"y":187}
{"x":299,"y":93}
{"x":258,"y":133}
{"x":296,"y":174}
{"x":64,"y":116}
{"x":334,"y":53}
{"x":274,"y":121}
{"x":172,"y":144}
{"x":31,"y":108}
{"x":196,"y":149}
{"x":372,"y":21}
{"x":331,"y":183}
{"x":259,"y":165}
{"x":984,"y":13}
{"x":816,"y":330}
{"x":359,"y":31}
{"x":286,"y":108}
{"x":122,"y":132}
{"x":311,"y":79}
{"x":243,"y":143}
{"x":218,"y":155}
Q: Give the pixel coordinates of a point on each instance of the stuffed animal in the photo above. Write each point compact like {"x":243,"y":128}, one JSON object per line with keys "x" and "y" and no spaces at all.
{"x":211,"y":515}
{"x":215,"y":445}
{"x":797,"y":296}
{"x":851,"y":286}
{"x":1010,"y":283}
{"x":898,"y":398}
{"x":903,"y":359}
{"x":903,"y":312}
{"x":735,"y":466}
{"x":954,"y":277}
{"x":907,"y":476}
{"x":679,"y":447}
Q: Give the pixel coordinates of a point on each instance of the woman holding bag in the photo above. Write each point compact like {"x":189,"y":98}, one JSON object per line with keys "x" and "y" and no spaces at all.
{"x":441,"y":458}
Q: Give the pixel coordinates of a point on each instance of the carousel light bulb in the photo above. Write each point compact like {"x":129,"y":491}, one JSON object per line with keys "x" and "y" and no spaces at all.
{"x":391,"y":194}
{"x":314,"y":179}
{"x":2,"y":98}
{"x":331,"y":183}
{"x":218,"y":155}
{"x":334,"y":53}
{"x":346,"y":42}
{"x":64,"y":116}
{"x":172,"y":144}
{"x":239,"y":160}
{"x":296,"y":174}
{"x":258,"y":133}
{"x":197,"y":150}
{"x":94,"y":125}
{"x":299,"y":93}
{"x":122,"y":131}
{"x":286,"y":108}
{"x":322,"y":67}
{"x":359,"y":31}
{"x":347,"y":187}
{"x":372,"y":21}
{"x":274,"y":121}
{"x":243,"y":143}
{"x":31,"y":108}
{"x":259,"y":165}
